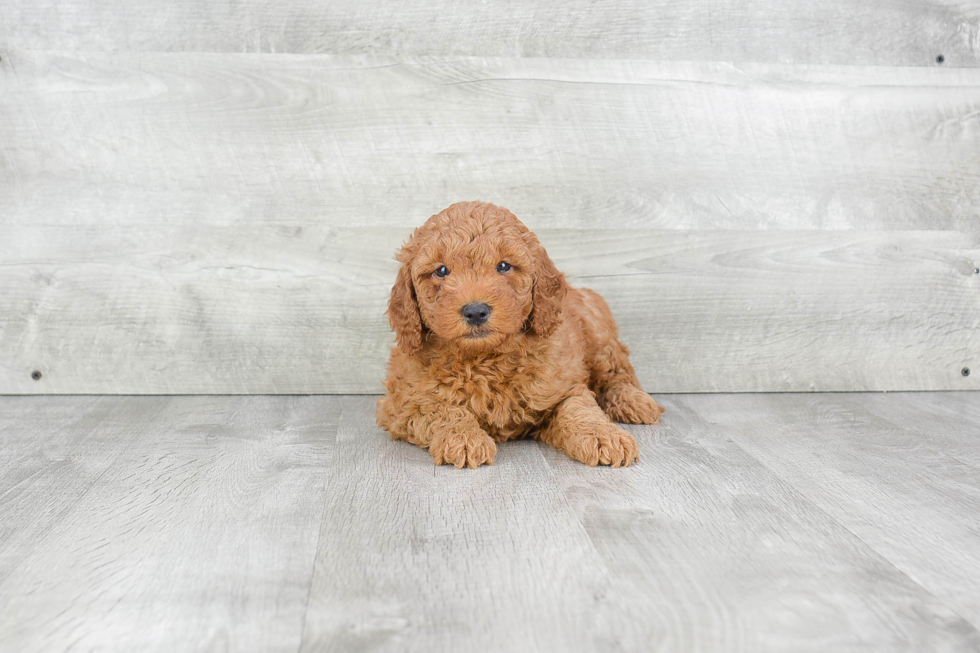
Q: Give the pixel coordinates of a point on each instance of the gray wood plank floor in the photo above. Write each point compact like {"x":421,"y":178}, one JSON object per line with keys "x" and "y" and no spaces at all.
{"x":820,"y":522}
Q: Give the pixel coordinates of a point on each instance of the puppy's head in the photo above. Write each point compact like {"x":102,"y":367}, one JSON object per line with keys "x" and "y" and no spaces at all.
{"x":472,"y":275}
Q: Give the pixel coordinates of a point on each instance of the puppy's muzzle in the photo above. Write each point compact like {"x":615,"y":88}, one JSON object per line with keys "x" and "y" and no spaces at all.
{"x":476,"y":313}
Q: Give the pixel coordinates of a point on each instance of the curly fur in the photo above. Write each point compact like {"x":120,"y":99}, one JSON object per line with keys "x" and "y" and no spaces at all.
{"x":547,"y":363}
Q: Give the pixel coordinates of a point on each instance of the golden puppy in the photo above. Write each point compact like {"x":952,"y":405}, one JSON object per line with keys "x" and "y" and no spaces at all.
{"x":493,"y":344}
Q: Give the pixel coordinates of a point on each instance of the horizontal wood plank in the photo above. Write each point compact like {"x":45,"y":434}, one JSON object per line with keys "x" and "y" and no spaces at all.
{"x":280,"y":309}
{"x":358,"y":140}
{"x":833,"y":31}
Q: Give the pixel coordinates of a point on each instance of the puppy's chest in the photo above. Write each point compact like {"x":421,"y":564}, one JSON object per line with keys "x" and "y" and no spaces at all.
{"x":509,"y":399}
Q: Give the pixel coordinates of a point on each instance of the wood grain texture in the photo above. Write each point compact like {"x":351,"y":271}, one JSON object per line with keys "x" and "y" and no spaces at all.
{"x":201,"y":534}
{"x":52,"y":455}
{"x":418,"y":558}
{"x":709,"y":550}
{"x":294,"y":523}
{"x":186,"y":222}
{"x":871,"y":475}
{"x":300,"y":309}
{"x":950,"y":419}
{"x":118,"y":139}
{"x":834,"y":31}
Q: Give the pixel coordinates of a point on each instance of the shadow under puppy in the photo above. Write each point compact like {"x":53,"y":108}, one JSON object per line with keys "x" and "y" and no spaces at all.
{"x":492,"y":344}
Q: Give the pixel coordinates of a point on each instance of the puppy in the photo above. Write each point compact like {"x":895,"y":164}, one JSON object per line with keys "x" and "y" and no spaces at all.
{"x":492,"y":344}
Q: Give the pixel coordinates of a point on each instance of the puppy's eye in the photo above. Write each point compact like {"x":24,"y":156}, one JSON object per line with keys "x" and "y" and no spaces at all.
{"x":443,"y":271}
{"x":503,"y":266}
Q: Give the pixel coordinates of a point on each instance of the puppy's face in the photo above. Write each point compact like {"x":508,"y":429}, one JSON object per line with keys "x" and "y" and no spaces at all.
{"x":473,"y":275}
{"x":473,"y":283}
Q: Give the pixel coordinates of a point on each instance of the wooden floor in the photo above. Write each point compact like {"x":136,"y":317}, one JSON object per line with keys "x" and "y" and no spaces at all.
{"x":817,"y":522}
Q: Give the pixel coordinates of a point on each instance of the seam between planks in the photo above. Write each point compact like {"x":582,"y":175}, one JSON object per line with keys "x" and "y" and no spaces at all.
{"x":319,"y":532}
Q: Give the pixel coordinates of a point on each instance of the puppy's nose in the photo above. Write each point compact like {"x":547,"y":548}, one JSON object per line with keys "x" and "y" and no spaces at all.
{"x":476,"y":313}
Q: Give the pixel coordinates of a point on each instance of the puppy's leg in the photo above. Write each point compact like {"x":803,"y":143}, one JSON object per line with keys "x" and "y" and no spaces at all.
{"x":618,"y":390}
{"x":612,"y":377}
{"x":580,"y":428}
{"x":450,"y":433}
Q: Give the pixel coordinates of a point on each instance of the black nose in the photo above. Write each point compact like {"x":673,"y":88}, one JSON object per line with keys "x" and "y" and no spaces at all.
{"x":476,"y":313}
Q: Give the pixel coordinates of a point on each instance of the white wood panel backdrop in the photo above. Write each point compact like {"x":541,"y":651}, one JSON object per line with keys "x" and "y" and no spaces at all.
{"x":293,"y":309}
{"x":879,"y":32}
{"x":280,"y":138}
{"x":195,"y":222}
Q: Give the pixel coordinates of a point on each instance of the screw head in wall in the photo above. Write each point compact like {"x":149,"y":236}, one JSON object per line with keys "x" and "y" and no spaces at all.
{"x":36,"y":375}
{"x":965,"y":371}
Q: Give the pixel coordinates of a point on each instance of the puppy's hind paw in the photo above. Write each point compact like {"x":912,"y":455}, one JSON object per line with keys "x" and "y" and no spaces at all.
{"x":628,"y":404}
{"x":463,"y":449}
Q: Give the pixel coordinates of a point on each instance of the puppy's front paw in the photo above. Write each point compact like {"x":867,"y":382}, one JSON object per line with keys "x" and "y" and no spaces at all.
{"x":463,"y":448}
{"x":606,"y":445}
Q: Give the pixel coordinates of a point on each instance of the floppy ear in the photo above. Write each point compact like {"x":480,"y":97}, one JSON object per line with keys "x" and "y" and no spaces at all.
{"x":403,"y":312}
{"x":549,"y":291}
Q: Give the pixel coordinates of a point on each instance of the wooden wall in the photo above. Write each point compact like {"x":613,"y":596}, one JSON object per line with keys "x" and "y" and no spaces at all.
{"x":205,"y":197}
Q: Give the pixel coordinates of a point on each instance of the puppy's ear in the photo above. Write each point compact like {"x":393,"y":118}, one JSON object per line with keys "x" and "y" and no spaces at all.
{"x":403,"y":312}
{"x":549,"y":291}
